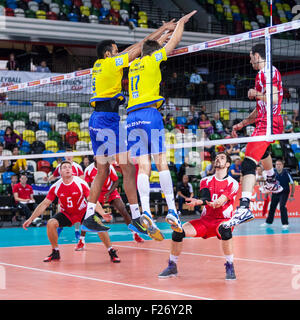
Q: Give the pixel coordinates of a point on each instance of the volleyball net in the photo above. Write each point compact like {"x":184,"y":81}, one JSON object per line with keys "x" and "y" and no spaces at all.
{"x":51,"y":114}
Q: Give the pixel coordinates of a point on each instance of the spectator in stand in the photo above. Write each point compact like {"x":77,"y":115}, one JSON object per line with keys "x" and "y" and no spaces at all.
{"x":183,"y":169}
{"x":209,"y":170}
{"x":23,"y":195}
{"x":206,"y":125}
{"x":235,"y":170}
{"x":4,"y":164}
{"x":10,"y":139}
{"x":168,"y":120}
{"x":173,"y":85}
{"x":12,"y":64}
{"x":184,"y":191}
{"x":85,"y":162}
{"x":43,"y":67}
{"x":202,"y":110}
{"x":18,"y":165}
{"x":285,"y":180}
{"x":233,"y":150}
{"x":296,"y":118}
{"x":287,"y":124}
{"x":169,"y":105}
{"x":193,"y":116}
{"x":219,"y":126}
{"x":194,"y":86}
{"x":14,"y":180}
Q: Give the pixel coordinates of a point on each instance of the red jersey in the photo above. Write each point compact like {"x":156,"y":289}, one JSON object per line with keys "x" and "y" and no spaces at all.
{"x":76,"y":168}
{"x":228,"y":187}
{"x":91,"y":171}
{"x":72,"y":198}
{"x":260,"y":86}
{"x":23,"y":192}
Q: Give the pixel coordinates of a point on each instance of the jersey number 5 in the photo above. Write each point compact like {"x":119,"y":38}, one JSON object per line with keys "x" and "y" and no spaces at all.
{"x":69,"y":202}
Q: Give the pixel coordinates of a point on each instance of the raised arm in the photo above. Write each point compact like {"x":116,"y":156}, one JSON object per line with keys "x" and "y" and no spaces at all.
{"x":177,"y":34}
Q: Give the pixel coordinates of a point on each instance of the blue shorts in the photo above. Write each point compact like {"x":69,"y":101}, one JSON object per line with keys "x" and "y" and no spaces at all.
{"x":108,"y":134}
{"x":145,"y":132}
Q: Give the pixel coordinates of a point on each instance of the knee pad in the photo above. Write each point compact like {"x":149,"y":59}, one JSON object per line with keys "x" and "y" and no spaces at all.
{"x":248,"y":167}
{"x":178,"y":236}
{"x":266,"y":154}
{"x":225,"y":234}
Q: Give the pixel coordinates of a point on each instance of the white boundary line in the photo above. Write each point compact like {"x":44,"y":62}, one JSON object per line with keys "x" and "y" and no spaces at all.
{"x":104,"y":281}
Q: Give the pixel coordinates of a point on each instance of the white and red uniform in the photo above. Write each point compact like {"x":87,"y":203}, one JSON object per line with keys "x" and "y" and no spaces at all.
{"x":72,"y":198}
{"x":76,"y":169}
{"x":89,"y":175}
{"x":256,"y":150}
{"x":207,"y":226}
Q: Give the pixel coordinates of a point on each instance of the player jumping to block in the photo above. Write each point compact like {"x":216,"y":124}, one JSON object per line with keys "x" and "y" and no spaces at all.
{"x":258,"y":151}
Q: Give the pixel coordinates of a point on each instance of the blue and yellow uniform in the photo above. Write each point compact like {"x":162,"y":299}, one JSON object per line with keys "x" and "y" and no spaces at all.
{"x":104,"y":126}
{"x":145,"y":128}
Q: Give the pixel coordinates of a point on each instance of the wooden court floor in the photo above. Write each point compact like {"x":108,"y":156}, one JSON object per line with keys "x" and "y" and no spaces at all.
{"x":267,"y":266}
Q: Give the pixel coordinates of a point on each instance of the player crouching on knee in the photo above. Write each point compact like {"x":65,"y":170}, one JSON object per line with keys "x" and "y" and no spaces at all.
{"x":217,"y":195}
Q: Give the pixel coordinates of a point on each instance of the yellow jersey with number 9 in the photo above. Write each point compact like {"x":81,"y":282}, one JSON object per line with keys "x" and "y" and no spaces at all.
{"x":144,"y":81}
{"x":107,"y":77}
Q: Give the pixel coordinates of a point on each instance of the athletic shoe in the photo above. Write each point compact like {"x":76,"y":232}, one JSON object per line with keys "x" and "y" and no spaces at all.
{"x":285,"y":227}
{"x":170,"y":271}
{"x":230,"y":274}
{"x":53,"y":256}
{"x":173,"y":219}
{"x":59,"y":230}
{"x":113,"y":256}
{"x":77,"y":235}
{"x":137,"y":238}
{"x":93,"y":224}
{"x":265,"y":224}
{"x":136,"y":226}
{"x":272,"y":185}
{"x":152,"y":230}
{"x":241,"y":215}
{"x":80,"y":246}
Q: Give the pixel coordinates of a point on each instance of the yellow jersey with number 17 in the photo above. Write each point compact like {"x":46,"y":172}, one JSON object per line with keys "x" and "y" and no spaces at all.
{"x":107,"y":77}
{"x":144,"y":81}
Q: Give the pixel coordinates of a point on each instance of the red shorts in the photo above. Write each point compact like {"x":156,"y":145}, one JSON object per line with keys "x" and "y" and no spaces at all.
{"x":114,"y":195}
{"x":255,"y":150}
{"x":207,"y":227}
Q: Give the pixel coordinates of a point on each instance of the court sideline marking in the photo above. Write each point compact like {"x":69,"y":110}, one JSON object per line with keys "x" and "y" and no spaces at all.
{"x":105,"y":281}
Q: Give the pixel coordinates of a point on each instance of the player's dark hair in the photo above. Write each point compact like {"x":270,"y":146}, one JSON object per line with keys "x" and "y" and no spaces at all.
{"x":65,"y":161}
{"x":259,"y":48}
{"x":149,"y":47}
{"x":103,"y":46}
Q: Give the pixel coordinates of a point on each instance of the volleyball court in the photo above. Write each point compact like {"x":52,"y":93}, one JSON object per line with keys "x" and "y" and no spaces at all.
{"x":52,"y":116}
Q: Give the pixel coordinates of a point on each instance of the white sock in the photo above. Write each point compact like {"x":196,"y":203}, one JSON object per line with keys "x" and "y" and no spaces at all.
{"x":57,"y":249}
{"x":135,"y":211}
{"x":270,"y":172}
{"x":166,"y":184}
{"x":246,"y":194}
{"x":229,"y":258}
{"x":90,"y":210}
{"x":82,"y":238}
{"x":77,"y":226}
{"x":143,"y":185}
{"x":173,"y":258}
{"x":108,"y":249}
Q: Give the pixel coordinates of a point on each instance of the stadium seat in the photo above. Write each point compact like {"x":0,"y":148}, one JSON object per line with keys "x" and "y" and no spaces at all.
{"x":75,"y":117}
{"x":51,"y":145}
{"x":31,"y":125}
{"x":31,"y":165}
{"x":25,"y":148}
{"x":154,"y":177}
{"x":35,"y":116}
{"x":84,"y":125}
{"x":38,"y":147}
{"x":84,"y":136}
{"x":39,"y":177}
{"x":6,"y":177}
{"x":29,"y":136}
{"x":51,"y":118}
{"x":181,"y":120}
{"x":50,"y":159}
{"x":45,"y":125}
{"x":22,"y":116}
{"x":81,"y":146}
{"x":77,"y":159}
{"x":85,"y":116}
{"x":4,"y":124}
{"x":44,"y":165}
{"x":61,"y":127}
{"x":41,"y":135}
{"x":64,"y":117}
{"x":54,"y":135}
{"x":71,"y":137}
{"x":73,"y":126}
{"x":19,"y":125}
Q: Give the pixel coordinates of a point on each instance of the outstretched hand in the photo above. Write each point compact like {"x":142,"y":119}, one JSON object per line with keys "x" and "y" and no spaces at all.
{"x":187,"y":17}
